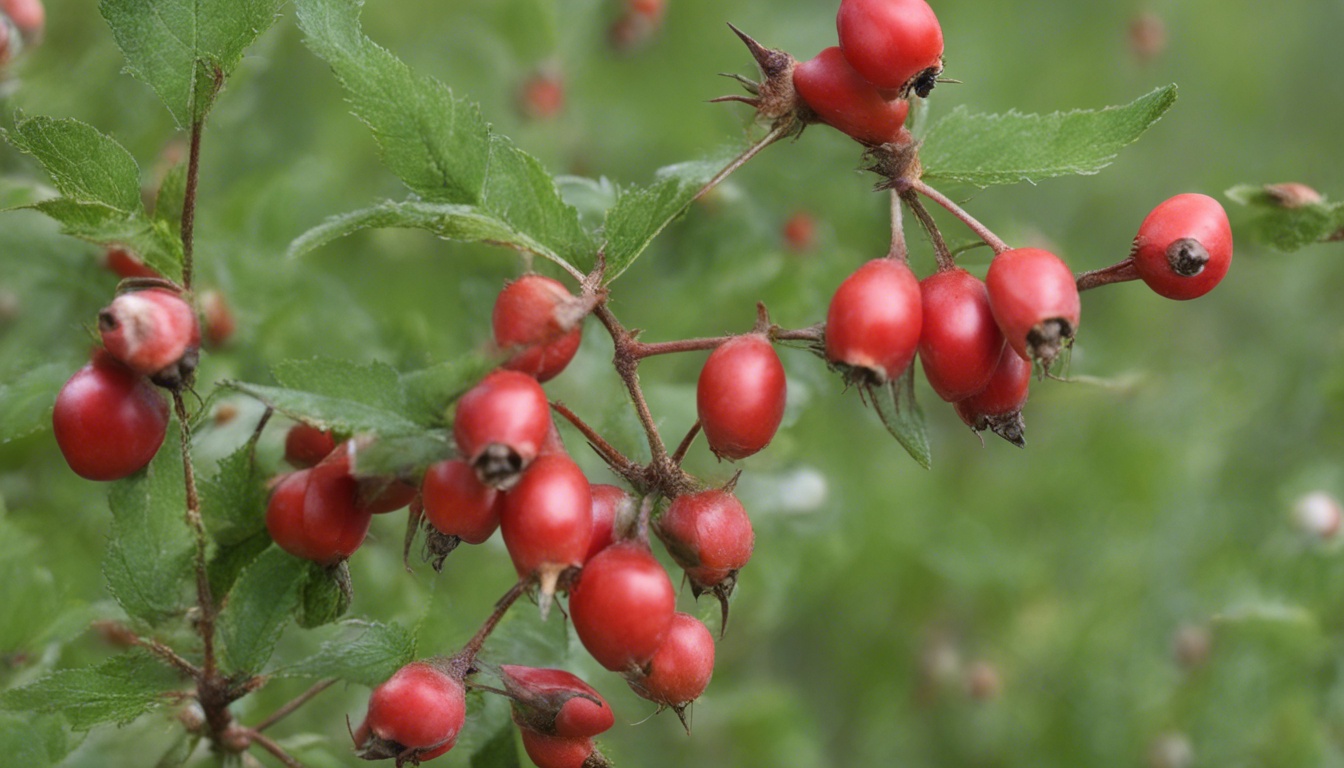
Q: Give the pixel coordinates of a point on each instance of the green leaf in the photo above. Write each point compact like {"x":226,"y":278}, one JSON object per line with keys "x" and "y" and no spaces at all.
{"x":170,"y":198}
{"x":228,"y":562}
{"x":34,"y":741}
{"x":404,"y":456}
{"x":639,"y":215}
{"x":431,"y":390}
{"x":984,"y":149}
{"x":99,"y":183}
{"x":259,"y":607}
{"x":117,"y":691}
{"x":322,"y":599}
{"x":85,"y":164}
{"x":895,"y":403}
{"x":439,"y":145}
{"x":185,"y":49}
{"x":345,"y":416}
{"x":233,"y":502}
{"x":464,"y":223}
{"x":1289,"y":229}
{"x":18,"y":193}
{"x":149,"y":558}
{"x":369,"y":658}
{"x":499,"y":751}
{"x":26,"y":402}
{"x":376,"y":384}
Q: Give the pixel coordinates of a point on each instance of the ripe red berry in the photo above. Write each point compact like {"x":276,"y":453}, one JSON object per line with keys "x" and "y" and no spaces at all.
{"x":457,"y":504}
{"x":1035,"y":302}
{"x":28,"y":15}
{"x":709,"y":534}
{"x":556,"y":752}
{"x":306,"y":445}
{"x":415,"y":716}
{"x":622,"y":606}
{"x":609,"y":503}
{"x":846,"y":102}
{"x":312,"y":514}
{"x":151,"y":331}
{"x":375,"y":494}
{"x":555,"y":702}
{"x":896,"y":44}
{"x":681,"y":668}
{"x":530,"y":318}
{"x":125,"y":264}
{"x":109,"y":422}
{"x":1184,"y":247}
{"x":547,"y":520}
{"x":874,"y":321}
{"x":960,"y":342}
{"x":998,"y":406}
{"x":501,"y":425}
{"x":740,"y":396}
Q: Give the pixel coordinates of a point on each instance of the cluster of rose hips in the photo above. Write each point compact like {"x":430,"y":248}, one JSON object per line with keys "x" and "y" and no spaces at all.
{"x":21,"y":24}
{"x":977,"y":340}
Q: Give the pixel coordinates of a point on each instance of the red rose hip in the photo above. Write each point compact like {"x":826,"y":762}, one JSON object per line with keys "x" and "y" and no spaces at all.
{"x":893,"y":44}
{"x":151,"y":331}
{"x":457,"y":503}
{"x":959,"y":343}
{"x":874,"y":321}
{"x":556,"y":752}
{"x":547,"y":521}
{"x":846,"y":102}
{"x":998,"y":406}
{"x":501,"y":425}
{"x":681,"y":668}
{"x":415,"y":716}
{"x":622,"y":606}
{"x":535,"y":317}
{"x":555,"y":702}
{"x":1184,"y":247}
{"x":1035,"y":302}
{"x":740,"y":396}
{"x":109,"y":421}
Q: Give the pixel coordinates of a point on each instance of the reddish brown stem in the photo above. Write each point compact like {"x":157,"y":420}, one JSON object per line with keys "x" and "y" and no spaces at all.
{"x":627,"y":367}
{"x":295,"y":703}
{"x":640,"y":350}
{"x":898,"y":251}
{"x":940,"y":249}
{"x":814,"y":333}
{"x":775,"y":134}
{"x":204,"y":600}
{"x":613,"y":457}
{"x":1120,"y":272}
{"x":266,"y":743}
{"x":686,"y":441}
{"x":970,"y":221}
{"x":189,"y":202}
{"x":466,"y":658}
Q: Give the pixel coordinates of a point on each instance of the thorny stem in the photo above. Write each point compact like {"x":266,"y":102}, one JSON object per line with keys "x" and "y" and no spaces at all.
{"x":1120,"y":272}
{"x":945,"y":259}
{"x":686,"y":441}
{"x":627,"y":367}
{"x":189,"y":202}
{"x":295,"y":703}
{"x":970,"y":221}
{"x":205,"y":602}
{"x":776,"y":133}
{"x":898,"y":250}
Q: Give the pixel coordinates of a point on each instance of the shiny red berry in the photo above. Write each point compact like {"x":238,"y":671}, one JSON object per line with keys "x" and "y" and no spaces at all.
{"x":28,"y":15}
{"x":458,"y":504}
{"x":609,"y":504}
{"x":622,"y":606}
{"x":547,"y":520}
{"x":501,"y":426}
{"x":740,"y":396}
{"x":681,"y":668}
{"x":1035,"y":302}
{"x":555,"y":702}
{"x":151,"y":331}
{"x":960,"y":342}
{"x":306,"y":445}
{"x":532,"y":319}
{"x":895,"y":44}
{"x":557,"y":752}
{"x":1184,"y":247}
{"x":414,"y":716}
{"x":709,"y":534}
{"x":846,"y":102}
{"x":998,"y":406}
{"x":874,"y":321}
{"x":312,"y":514}
{"x":109,"y":421}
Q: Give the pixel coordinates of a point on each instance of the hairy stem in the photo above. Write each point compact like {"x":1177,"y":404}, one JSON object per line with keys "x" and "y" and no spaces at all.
{"x":898,"y":250}
{"x":775,"y":134}
{"x":1120,"y":272}
{"x":467,"y":656}
{"x":945,"y":259}
{"x":266,"y":743}
{"x":627,"y":367}
{"x":204,"y":600}
{"x":293,"y":704}
{"x":189,"y":203}
{"x":613,"y":457}
{"x":983,"y":232}
{"x":686,"y":441}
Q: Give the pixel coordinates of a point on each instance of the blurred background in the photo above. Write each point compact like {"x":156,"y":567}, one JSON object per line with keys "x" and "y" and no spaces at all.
{"x":1133,"y":588}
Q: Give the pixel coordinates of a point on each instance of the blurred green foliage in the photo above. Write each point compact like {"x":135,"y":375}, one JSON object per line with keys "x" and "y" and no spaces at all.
{"x":1156,"y":501}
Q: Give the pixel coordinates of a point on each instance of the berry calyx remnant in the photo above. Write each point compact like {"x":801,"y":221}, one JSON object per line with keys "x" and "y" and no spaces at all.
{"x":1035,"y":302}
{"x":1184,"y":247}
{"x":998,"y":407}
{"x":501,"y":425}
